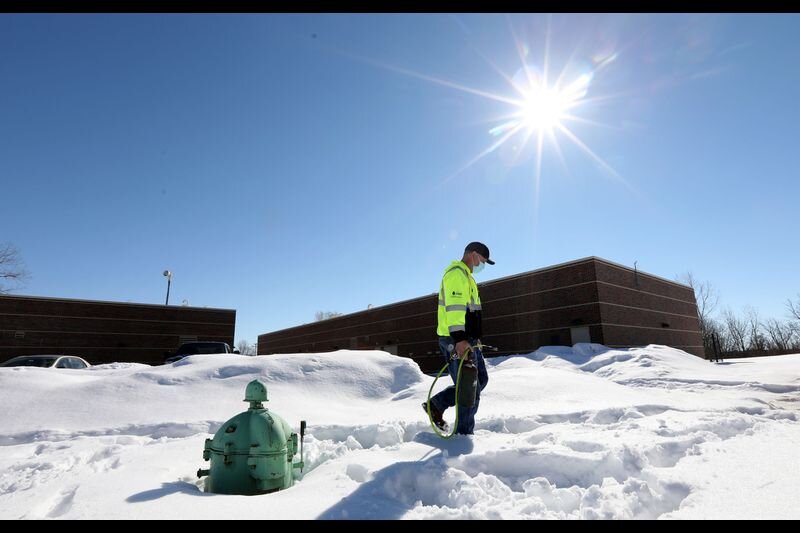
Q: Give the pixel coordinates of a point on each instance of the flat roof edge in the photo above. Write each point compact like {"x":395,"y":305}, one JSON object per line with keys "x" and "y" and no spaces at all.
{"x":108,"y":302}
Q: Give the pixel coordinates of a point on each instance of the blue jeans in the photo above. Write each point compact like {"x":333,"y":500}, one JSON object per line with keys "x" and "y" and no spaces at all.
{"x":447,"y":398}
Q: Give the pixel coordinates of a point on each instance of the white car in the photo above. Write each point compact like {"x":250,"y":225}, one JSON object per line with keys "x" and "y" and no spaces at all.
{"x":48,"y":361}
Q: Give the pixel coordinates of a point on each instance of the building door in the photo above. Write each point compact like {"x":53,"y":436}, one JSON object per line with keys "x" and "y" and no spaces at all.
{"x":580,"y":334}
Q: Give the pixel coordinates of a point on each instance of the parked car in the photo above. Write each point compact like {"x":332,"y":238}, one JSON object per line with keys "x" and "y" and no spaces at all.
{"x":48,"y":361}
{"x":200,"y":347}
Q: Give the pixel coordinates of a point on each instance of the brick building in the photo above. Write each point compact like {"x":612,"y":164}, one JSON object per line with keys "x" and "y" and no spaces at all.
{"x":105,"y":332}
{"x":588,"y":300}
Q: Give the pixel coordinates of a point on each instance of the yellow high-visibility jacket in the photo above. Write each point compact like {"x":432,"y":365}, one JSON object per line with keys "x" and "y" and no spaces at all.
{"x":459,"y":304}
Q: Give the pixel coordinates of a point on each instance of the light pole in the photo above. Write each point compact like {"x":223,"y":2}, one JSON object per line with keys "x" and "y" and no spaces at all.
{"x":168,"y":275}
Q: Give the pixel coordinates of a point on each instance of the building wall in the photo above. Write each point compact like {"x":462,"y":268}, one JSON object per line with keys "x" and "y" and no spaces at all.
{"x":104,"y":332}
{"x":538,"y":308}
{"x":639,"y":309}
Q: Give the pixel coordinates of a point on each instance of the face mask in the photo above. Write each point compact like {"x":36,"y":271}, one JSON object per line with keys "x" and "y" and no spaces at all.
{"x":478,"y":268}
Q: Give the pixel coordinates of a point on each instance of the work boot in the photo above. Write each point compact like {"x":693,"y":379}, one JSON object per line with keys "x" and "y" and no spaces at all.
{"x":436,"y":416}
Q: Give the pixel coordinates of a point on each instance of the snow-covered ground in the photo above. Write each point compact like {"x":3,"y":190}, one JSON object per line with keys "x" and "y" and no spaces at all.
{"x":583,"y":432}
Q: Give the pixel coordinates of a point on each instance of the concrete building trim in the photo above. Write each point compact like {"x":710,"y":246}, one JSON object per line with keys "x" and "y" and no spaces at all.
{"x":549,"y":309}
{"x":31,"y":315}
{"x":601,"y":282}
{"x":645,"y":310}
{"x":649,"y":327}
{"x":525,"y":331}
{"x":684,"y":347}
{"x":126,"y":305}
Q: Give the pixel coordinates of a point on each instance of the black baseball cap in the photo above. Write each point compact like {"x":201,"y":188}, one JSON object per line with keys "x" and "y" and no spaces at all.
{"x":481,"y":248}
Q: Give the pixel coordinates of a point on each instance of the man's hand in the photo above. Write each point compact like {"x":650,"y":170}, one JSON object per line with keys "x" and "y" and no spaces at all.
{"x":461,"y":348}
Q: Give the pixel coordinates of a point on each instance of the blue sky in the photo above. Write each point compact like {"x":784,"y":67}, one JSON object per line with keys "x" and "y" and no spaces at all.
{"x":287,"y":164}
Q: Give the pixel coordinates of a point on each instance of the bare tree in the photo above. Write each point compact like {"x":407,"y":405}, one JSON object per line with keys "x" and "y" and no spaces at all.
{"x":245,"y":348}
{"x":717,"y":330}
{"x":706,"y":296}
{"x":736,"y":328}
{"x":794,"y":308}
{"x":325,"y":315}
{"x":795,"y":342}
{"x":12,"y":269}
{"x":781,"y":334}
{"x":755,"y":339}
{"x":707,"y":300}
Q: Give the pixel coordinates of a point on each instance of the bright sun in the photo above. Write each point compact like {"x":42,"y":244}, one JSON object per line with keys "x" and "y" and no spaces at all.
{"x":543,"y":105}
{"x":543,"y":109}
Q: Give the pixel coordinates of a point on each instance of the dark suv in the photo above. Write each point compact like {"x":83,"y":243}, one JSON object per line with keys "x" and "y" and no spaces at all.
{"x":202,"y":347}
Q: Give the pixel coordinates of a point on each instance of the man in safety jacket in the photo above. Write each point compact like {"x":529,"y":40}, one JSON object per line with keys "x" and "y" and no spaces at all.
{"x":459,"y":328}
